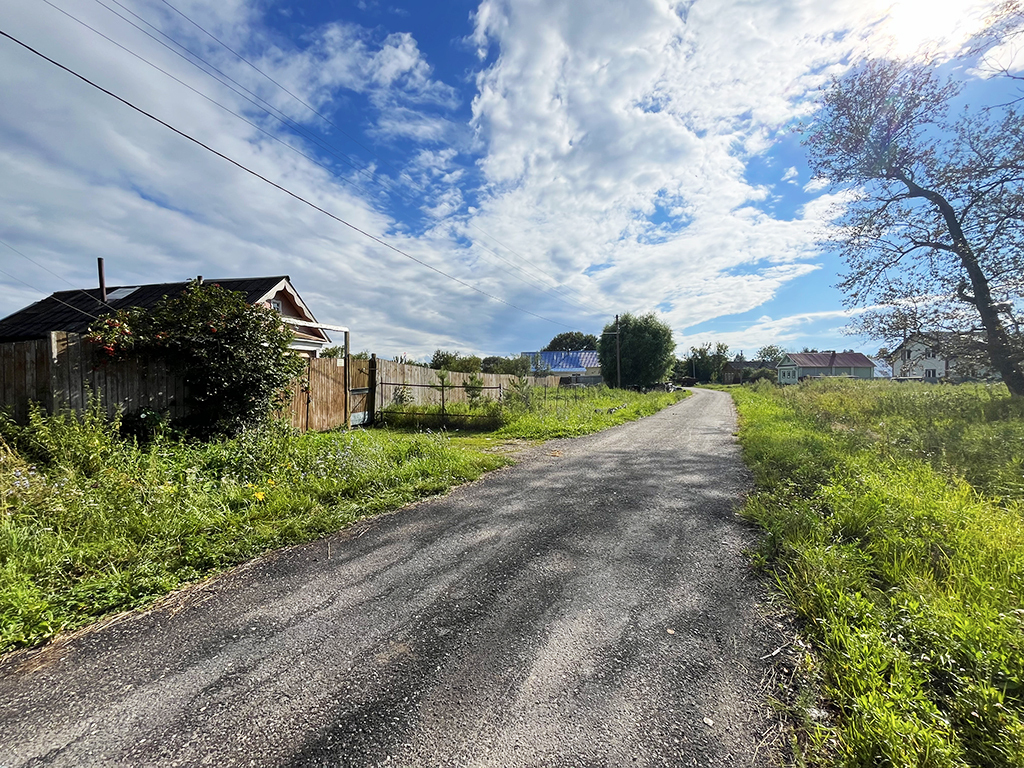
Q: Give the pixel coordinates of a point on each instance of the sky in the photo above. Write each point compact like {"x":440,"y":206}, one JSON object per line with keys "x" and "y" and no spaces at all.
{"x":493,"y":173}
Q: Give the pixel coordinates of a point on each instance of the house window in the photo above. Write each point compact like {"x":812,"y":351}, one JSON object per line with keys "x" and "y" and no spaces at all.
{"x":277,"y":306}
{"x":929,"y":373}
{"x":929,"y":353}
{"x":906,"y":354}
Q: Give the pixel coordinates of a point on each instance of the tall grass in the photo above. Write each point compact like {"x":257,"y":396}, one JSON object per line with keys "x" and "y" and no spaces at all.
{"x":895,"y":523}
{"x":581,"y":412}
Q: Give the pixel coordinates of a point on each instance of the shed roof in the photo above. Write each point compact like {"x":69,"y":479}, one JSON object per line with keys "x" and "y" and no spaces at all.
{"x":830,"y":360}
{"x":74,"y":310}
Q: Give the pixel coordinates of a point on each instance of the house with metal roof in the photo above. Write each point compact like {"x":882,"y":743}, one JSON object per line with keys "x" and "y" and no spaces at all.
{"x":580,"y":366}
{"x":797,"y":366}
{"x":74,"y":310}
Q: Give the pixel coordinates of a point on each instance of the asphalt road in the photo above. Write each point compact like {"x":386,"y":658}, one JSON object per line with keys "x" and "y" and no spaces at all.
{"x":591,"y":606}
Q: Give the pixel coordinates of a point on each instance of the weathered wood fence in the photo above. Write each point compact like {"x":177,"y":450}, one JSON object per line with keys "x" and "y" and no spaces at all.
{"x":63,"y":371}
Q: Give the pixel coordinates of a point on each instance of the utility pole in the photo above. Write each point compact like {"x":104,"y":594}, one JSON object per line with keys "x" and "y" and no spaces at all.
{"x":618,"y":358}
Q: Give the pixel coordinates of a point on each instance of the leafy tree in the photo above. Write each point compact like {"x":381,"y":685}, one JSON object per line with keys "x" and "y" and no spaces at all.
{"x":706,"y":361}
{"x":538,"y":367}
{"x":932,"y":239}
{"x":337,"y":352}
{"x":771,"y":353}
{"x":645,"y":349}
{"x":453,"y":361}
{"x":681,"y":370}
{"x":751,"y":375}
{"x":516,"y":366}
{"x":571,"y":341}
{"x":234,"y":357}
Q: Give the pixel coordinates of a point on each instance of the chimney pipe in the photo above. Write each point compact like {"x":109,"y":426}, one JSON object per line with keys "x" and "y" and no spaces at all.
{"x":103,"y":280}
{"x":199,"y":279}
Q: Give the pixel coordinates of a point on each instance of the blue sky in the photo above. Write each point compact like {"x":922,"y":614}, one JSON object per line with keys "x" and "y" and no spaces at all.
{"x":559,"y":161}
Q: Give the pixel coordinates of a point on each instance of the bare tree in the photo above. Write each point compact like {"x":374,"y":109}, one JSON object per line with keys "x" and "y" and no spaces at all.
{"x":932,"y":235}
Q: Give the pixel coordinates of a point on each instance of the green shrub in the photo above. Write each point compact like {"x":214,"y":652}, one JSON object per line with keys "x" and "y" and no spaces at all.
{"x":234,"y":357}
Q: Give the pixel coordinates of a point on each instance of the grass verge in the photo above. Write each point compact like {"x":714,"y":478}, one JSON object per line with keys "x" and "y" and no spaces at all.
{"x":91,"y":524}
{"x":895,"y":526}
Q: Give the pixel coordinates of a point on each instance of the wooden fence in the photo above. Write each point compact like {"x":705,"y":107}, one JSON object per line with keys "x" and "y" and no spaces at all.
{"x":416,"y":385}
{"x":63,"y":371}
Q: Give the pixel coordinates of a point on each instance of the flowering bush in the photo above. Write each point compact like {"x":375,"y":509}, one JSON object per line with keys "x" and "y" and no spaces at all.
{"x":234,"y":357}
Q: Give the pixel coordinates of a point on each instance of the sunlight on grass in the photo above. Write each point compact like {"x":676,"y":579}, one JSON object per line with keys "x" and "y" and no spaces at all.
{"x":895,"y":520}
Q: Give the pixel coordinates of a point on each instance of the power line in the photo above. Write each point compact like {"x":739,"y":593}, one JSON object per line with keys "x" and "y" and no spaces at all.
{"x":303,"y":103}
{"x":290,"y":124}
{"x":198,"y":92}
{"x":274,"y":184}
{"x":222,"y":78}
{"x":37,"y":290}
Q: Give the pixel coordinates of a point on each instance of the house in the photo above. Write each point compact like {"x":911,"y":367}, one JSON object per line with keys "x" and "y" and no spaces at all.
{"x":732,"y":372}
{"x":920,"y":358}
{"x":580,"y":366}
{"x":942,"y":356}
{"x":797,"y":366}
{"x":74,"y":310}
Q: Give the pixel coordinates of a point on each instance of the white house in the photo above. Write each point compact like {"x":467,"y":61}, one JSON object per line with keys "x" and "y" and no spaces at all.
{"x":918,"y":358}
{"x":929,"y":359}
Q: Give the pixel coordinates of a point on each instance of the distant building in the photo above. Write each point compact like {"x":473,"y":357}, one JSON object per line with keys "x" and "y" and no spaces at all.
{"x":941,"y":357}
{"x":580,"y":366}
{"x":797,"y":366}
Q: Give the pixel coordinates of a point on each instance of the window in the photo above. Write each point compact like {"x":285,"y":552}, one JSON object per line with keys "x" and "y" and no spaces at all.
{"x":929,"y":353}
{"x":906,"y":354}
{"x":929,"y":373}
{"x":122,"y":293}
{"x":277,"y":306}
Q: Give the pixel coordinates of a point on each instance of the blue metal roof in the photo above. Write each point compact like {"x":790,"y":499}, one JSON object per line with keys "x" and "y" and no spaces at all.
{"x":570,"y":362}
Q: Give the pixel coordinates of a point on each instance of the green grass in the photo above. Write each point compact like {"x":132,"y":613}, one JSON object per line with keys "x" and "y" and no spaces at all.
{"x":572,"y":414}
{"x":91,"y":524}
{"x":895,"y":522}
{"x":544,"y":414}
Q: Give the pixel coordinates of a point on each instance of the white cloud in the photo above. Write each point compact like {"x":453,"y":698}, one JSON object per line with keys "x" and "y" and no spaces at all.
{"x":816,"y":185}
{"x":604,"y":164}
{"x":790,"y":332}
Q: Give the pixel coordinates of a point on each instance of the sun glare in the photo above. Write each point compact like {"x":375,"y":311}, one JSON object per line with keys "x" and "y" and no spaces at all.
{"x":913,"y":28}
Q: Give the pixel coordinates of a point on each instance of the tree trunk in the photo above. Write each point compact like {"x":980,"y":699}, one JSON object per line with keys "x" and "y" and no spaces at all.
{"x":1000,"y":349}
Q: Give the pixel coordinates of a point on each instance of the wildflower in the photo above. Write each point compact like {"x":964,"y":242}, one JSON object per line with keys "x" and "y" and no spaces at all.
{"x":259,"y":495}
